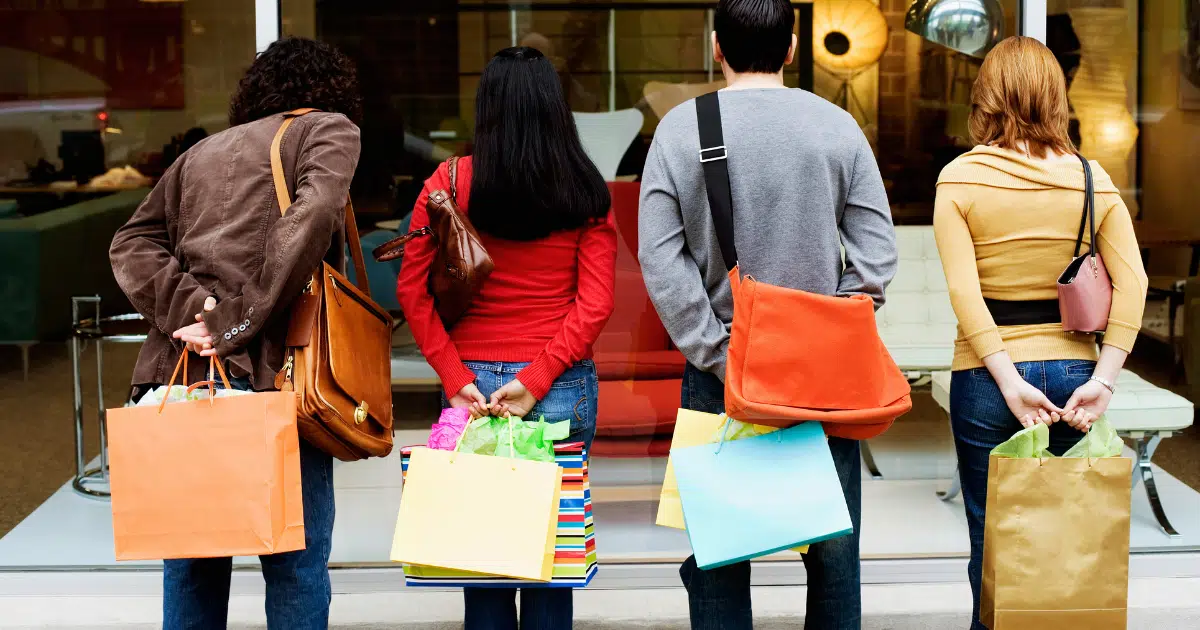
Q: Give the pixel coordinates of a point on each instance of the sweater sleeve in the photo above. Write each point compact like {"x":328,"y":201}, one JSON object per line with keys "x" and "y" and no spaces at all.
{"x":594,"y":302}
{"x":673,"y":278}
{"x":412,"y":292}
{"x":1122,"y":258}
{"x":868,"y":235}
{"x":957,"y":251}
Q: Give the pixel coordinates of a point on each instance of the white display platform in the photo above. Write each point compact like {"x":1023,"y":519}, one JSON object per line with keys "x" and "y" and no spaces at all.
{"x":902,"y":518}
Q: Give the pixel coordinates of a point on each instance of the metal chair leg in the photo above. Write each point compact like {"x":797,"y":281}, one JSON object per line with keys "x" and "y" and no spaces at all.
{"x":25,"y":360}
{"x":869,"y":460}
{"x":1174,"y":303}
{"x":87,"y":480}
{"x":955,"y":488}
{"x":1145,"y":447}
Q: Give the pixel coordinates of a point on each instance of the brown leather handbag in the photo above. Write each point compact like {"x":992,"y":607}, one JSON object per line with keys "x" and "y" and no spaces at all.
{"x":339,"y":347}
{"x":462,"y":264}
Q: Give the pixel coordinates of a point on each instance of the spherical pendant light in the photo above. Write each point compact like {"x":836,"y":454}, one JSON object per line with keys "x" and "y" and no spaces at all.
{"x":848,"y":35}
{"x":970,"y":27}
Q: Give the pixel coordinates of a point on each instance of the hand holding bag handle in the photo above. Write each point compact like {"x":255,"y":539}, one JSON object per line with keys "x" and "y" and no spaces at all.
{"x":181,"y":366}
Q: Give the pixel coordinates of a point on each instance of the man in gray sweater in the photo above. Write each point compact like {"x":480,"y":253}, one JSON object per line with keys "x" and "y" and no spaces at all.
{"x":805,"y":187}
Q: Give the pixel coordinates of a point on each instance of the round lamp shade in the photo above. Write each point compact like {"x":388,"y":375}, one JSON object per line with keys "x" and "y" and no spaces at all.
{"x":848,"y":35}
{"x":970,"y":27}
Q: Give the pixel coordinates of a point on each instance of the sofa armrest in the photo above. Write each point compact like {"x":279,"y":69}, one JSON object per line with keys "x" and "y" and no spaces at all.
{"x":643,"y":365}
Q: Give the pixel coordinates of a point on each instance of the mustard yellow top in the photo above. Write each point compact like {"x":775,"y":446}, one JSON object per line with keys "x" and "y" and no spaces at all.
{"x":1006,"y":226}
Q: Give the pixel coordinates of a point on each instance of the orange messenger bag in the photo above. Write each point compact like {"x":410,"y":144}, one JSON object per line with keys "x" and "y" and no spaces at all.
{"x":796,"y":356}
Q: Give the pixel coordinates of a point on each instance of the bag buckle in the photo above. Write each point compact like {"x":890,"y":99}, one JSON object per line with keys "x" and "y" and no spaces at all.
{"x":724,"y":154}
{"x":360,"y":413}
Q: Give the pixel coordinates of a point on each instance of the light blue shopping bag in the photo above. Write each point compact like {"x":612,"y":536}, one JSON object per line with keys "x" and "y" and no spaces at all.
{"x":756,"y":496}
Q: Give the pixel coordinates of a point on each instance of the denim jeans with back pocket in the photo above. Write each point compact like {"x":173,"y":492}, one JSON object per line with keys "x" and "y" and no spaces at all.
{"x":573,"y":398}
{"x":981,"y":421}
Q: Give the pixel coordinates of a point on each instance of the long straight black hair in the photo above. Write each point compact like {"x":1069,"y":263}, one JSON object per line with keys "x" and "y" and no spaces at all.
{"x":530,"y":175}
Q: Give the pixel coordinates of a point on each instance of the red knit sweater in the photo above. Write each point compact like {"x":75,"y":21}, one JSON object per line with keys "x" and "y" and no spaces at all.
{"x":545,"y":302}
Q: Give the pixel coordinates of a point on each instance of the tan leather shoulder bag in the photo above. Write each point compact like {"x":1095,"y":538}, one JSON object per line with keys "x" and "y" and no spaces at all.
{"x":338,"y":349}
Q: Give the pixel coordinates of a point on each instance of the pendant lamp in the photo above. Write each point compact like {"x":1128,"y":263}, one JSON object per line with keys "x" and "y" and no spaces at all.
{"x":970,"y":27}
{"x":849,"y":37}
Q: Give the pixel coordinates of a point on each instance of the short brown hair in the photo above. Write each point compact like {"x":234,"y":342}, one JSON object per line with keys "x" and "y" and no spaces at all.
{"x":1021,"y":95}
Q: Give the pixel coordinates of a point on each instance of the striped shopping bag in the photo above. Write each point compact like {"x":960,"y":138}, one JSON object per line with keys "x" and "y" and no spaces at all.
{"x":575,"y":545}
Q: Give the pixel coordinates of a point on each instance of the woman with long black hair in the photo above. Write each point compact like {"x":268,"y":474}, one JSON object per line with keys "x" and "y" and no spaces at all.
{"x":524,"y":345}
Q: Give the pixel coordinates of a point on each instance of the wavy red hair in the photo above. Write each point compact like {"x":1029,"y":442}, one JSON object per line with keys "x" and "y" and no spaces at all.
{"x":1019,"y":100}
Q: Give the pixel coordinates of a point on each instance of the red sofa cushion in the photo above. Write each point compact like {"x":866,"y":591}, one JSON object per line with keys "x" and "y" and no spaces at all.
{"x":640,"y":372}
{"x":638,"y":407}
{"x":634,"y":326}
{"x":631,"y":448}
{"x":647,"y":364}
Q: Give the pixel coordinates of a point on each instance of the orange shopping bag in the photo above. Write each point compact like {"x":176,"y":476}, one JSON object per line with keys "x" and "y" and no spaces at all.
{"x":214,"y":477}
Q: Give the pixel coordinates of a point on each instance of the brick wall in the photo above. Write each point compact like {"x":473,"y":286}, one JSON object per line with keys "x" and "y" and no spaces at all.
{"x":893,"y":100}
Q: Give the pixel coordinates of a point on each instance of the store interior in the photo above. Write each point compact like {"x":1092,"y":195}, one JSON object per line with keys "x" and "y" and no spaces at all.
{"x":98,"y":97}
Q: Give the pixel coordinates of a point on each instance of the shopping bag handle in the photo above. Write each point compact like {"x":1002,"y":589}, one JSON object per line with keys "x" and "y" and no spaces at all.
{"x":213,"y":364}
{"x":512,"y":451}
{"x":1087,"y":437}
{"x":725,"y":432}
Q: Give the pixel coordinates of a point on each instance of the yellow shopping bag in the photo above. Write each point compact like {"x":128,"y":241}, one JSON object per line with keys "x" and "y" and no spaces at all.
{"x":479,"y":513}
{"x":692,"y":428}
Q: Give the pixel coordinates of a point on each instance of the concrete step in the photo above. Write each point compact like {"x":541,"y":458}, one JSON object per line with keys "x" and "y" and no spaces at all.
{"x":1155,"y":604}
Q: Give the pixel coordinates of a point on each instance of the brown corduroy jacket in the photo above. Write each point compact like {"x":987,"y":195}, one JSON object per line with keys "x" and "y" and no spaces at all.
{"x":211,"y":226}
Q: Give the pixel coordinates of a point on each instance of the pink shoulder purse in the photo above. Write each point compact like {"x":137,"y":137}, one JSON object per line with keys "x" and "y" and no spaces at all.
{"x":1084,"y":288}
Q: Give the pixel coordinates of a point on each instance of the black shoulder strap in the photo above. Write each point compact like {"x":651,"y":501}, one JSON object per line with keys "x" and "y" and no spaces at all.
{"x":1089,"y":209}
{"x":716,"y":173}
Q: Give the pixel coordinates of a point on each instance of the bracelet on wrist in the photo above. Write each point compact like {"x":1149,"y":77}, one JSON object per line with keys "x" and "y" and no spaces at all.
{"x":1109,"y":385}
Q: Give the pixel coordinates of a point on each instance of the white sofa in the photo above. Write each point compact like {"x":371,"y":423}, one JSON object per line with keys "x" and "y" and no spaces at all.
{"x":916,"y":322}
{"x":918,"y":326}
{"x":606,"y":137}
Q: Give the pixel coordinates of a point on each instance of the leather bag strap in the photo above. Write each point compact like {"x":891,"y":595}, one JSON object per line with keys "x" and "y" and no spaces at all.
{"x":714,"y":160}
{"x":285,"y":201}
{"x":1089,"y":210}
{"x":454,"y":178}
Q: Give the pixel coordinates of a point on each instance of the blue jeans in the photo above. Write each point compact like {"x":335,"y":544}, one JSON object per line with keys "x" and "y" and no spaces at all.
{"x":196,"y":592}
{"x":573,"y":397}
{"x":719,"y":599}
{"x":981,"y":421}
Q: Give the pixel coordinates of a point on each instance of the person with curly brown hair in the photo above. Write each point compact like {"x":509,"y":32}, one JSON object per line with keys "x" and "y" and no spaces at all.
{"x":210,"y":263}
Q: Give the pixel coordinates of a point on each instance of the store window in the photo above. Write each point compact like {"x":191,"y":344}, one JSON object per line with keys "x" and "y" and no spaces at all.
{"x":906,"y":79}
{"x":97,"y":99}
{"x":90,"y":86}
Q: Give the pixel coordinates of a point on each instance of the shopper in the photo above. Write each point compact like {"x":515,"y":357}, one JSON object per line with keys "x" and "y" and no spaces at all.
{"x":209,"y":262}
{"x":524,"y":345}
{"x":1006,"y":218}
{"x":804,"y":182}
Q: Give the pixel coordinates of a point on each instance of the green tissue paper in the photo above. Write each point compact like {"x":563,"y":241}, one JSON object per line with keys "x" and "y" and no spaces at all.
{"x":530,"y":440}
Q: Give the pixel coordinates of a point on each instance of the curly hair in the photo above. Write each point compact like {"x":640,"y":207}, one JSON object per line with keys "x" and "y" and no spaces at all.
{"x":295,"y":72}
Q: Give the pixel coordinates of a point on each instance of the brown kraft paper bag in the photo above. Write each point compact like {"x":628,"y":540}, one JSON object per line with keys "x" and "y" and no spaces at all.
{"x":1056,"y":544}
